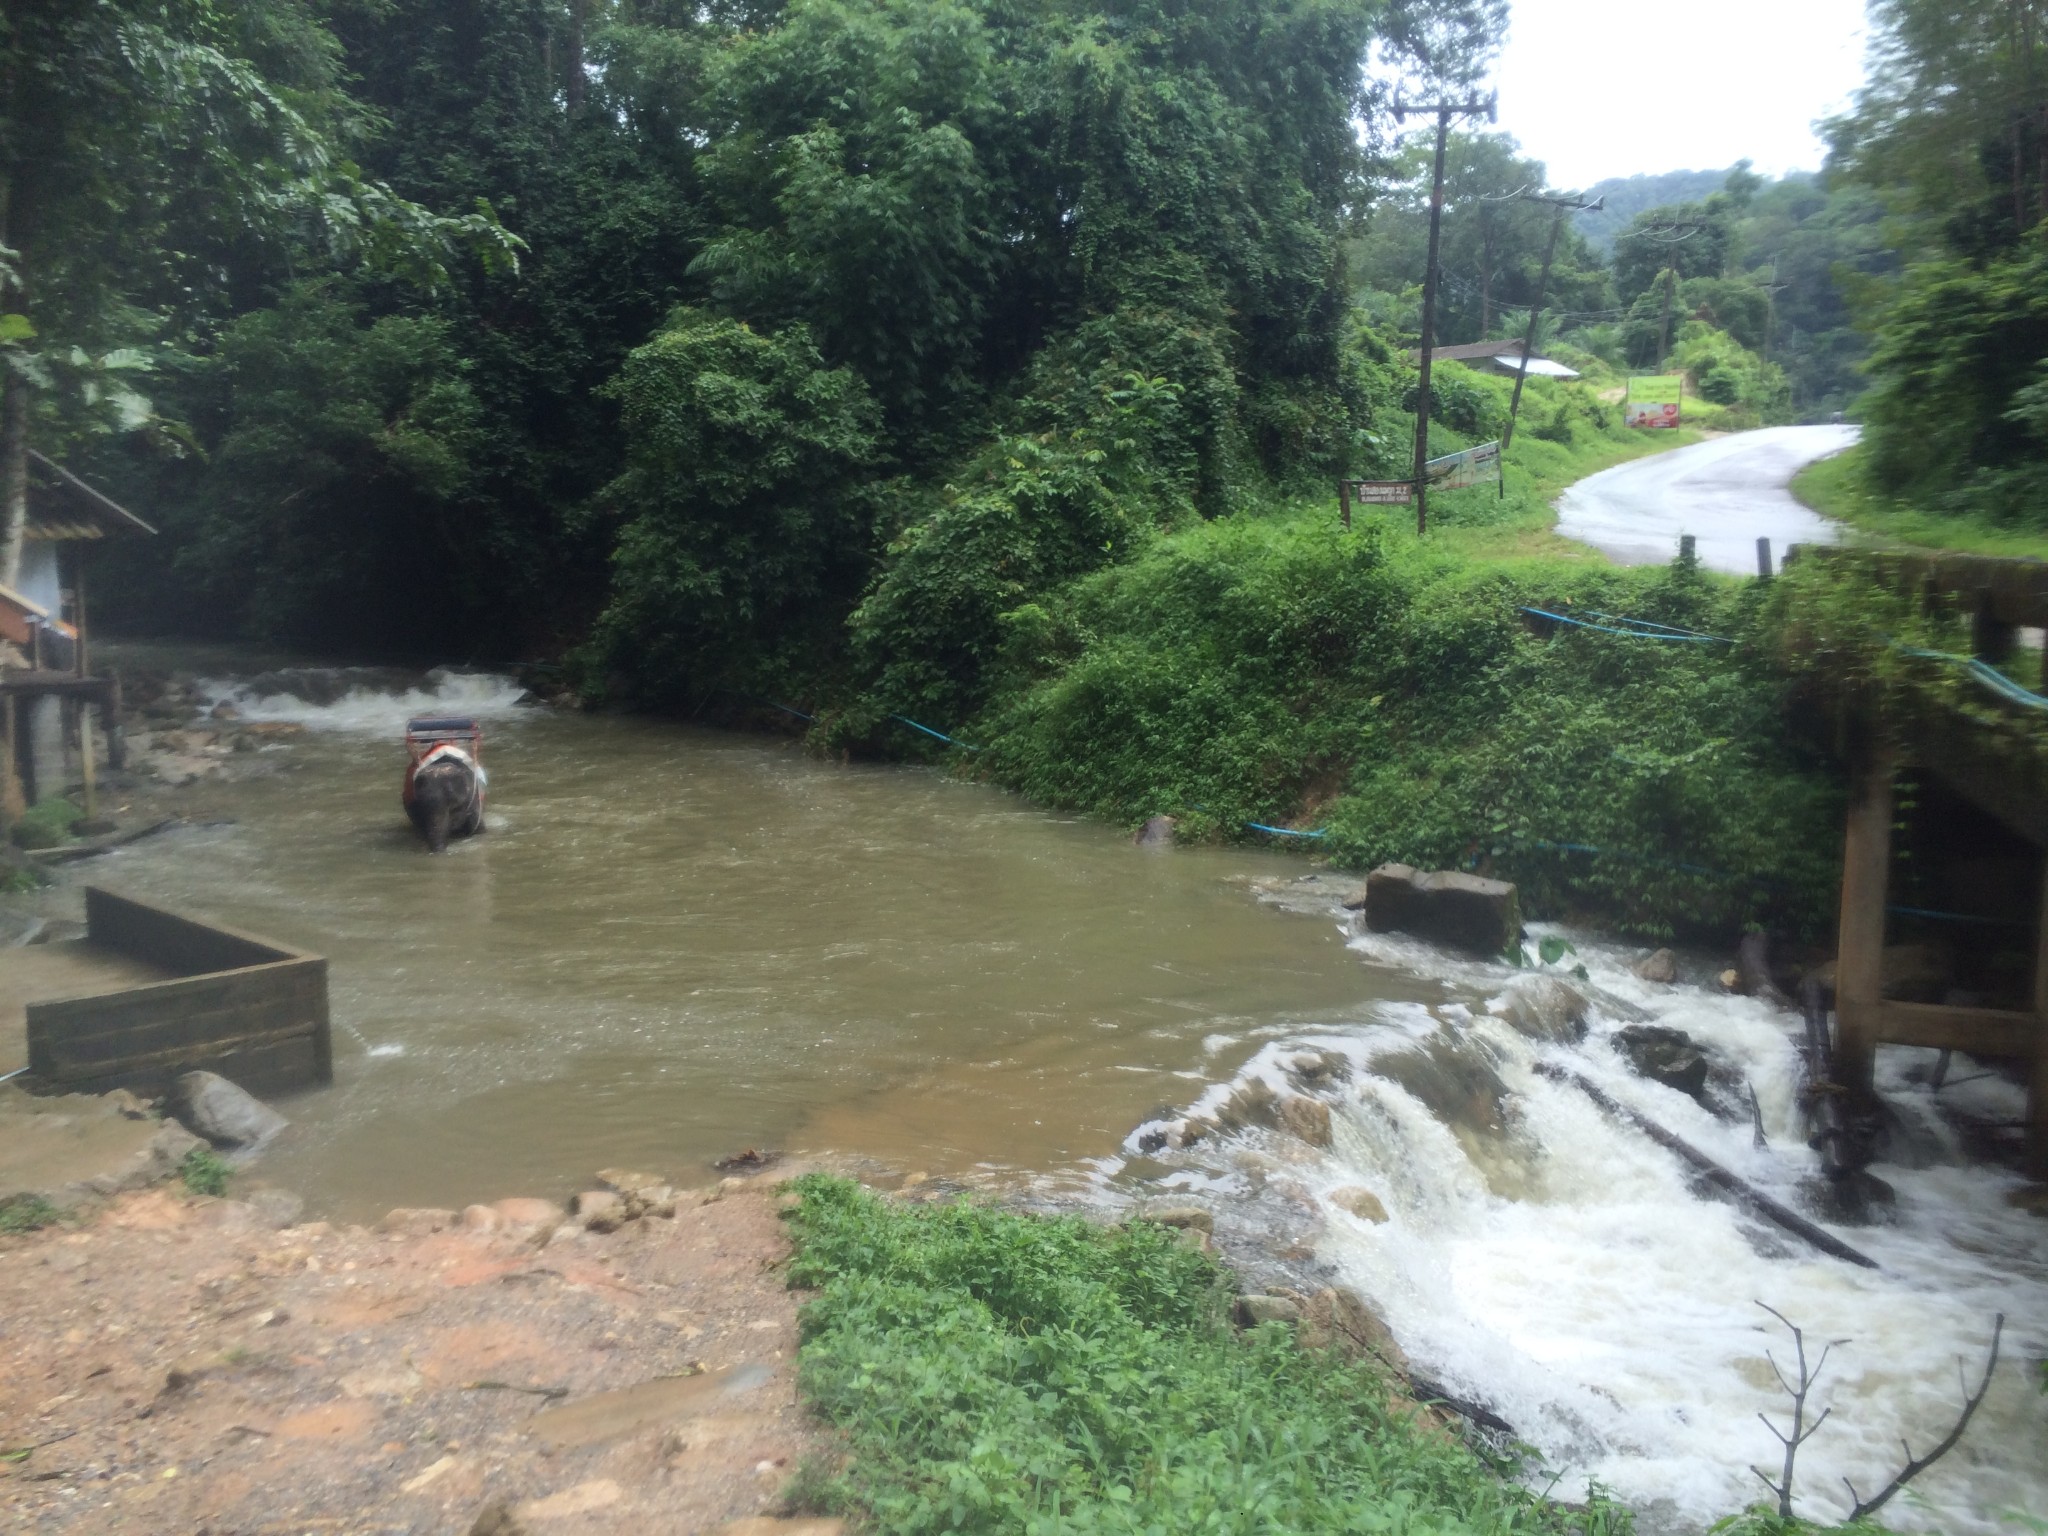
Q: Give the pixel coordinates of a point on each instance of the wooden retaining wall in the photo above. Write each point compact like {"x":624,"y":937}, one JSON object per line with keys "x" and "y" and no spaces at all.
{"x":250,"y":1009}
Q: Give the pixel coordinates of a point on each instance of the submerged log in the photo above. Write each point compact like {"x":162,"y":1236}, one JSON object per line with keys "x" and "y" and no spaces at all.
{"x":1773,"y":1211}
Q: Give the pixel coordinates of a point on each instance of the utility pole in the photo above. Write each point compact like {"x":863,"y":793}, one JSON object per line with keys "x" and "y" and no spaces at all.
{"x":1771,"y":291}
{"x":1670,"y":276}
{"x":1444,"y":112}
{"x":1560,"y":206}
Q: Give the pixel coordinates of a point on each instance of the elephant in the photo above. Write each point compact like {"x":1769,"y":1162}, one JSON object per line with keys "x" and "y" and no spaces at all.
{"x":445,"y":797}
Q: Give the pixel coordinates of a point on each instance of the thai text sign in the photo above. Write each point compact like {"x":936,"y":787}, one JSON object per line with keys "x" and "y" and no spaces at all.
{"x":1382,"y":493}
{"x":1455,"y":471}
{"x":1654,"y":401}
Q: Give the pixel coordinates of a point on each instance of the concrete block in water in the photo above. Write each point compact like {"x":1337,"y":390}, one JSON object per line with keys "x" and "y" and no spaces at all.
{"x":1462,"y":911}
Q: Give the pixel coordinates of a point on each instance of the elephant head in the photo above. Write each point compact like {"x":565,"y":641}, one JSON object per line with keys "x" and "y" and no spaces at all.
{"x":446,"y":799}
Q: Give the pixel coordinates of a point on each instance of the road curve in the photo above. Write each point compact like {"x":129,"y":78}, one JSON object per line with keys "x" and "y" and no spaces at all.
{"x":1727,"y":493}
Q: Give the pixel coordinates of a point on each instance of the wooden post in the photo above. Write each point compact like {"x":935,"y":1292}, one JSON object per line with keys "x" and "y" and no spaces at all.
{"x":85,"y":762}
{"x":78,"y":612}
{"x":13,"y":800}
{"x":116,"y":728}
{"x":1344,"y":499}
{"x":1859,"y":954}
{"x":2037,"y":1082}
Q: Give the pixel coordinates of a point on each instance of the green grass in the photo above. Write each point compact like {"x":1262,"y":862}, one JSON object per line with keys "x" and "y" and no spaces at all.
{"x":1836,"y":488}
{"x":204,"y":1173}
{"x":47,"y":824}
{"x":997,"y":1373}
{"x":26,"y":1213}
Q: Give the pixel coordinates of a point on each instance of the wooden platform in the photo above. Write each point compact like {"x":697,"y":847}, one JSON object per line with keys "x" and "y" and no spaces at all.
{"x":41,"y":973}
{"x":164,"y":994}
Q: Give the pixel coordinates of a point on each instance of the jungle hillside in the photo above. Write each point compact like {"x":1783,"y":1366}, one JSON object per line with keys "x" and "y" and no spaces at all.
{"x":977,"y":374}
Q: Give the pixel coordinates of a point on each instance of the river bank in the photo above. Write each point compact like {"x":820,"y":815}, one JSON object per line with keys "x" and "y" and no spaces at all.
{"x":183,"y":1363}
{"x":927,"y":974}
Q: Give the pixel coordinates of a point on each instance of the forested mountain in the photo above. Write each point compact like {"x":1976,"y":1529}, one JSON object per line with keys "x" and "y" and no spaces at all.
{"x":1627,"y":196}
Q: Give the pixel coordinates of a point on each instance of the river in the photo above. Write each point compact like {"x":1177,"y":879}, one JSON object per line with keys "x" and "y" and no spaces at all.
{"x":675,"y":943}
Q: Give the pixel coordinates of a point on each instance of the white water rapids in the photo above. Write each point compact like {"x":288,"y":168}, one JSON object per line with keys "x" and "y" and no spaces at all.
{"x":1563,"y":1270}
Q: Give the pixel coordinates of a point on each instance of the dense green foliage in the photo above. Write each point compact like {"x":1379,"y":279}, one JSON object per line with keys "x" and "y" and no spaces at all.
{"x":1951,"y":134}
{"x":1392,"y":694}
{"x":997,"y":1373}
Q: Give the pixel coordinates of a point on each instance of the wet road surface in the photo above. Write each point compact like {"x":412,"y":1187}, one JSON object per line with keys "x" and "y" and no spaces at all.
{"x":1727,"y":493}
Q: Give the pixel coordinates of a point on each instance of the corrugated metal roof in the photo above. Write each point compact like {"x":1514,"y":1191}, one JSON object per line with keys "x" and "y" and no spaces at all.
{"x":62,"y":506}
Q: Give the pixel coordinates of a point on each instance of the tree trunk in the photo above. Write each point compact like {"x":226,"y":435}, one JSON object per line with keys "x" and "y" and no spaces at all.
{"x":13,"y":473}
{"x":13,"y":418}
{"x":572,"y":88}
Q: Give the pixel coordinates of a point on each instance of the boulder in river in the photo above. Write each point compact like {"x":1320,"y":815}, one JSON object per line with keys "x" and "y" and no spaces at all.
{"x":1359,"y":1201}
{"x":1156,"y":833}
{"x":1665,"y":1055}
{"x":1461,"y":911}
{"x":1250,"y":1311}
{"x":1338,"y":1319}
{"x":1659,"y":965}
{"x":1306,"y":1118}
{"x":230,"y":1117}
{"x":1543,"y":1008}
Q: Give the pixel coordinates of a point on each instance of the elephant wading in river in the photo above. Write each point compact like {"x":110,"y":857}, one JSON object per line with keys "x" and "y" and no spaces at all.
{"x":444,"y":796}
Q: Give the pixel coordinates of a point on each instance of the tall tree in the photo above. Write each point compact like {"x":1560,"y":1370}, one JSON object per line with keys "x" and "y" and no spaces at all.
{"x":145,"y":145}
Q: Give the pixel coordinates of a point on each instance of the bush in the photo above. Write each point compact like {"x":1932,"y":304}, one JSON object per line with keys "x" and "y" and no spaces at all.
{"x":204,"y":1173}
{"x":1003,"y":1373}
{"x":747,"y":531}
{"x":1394,"y":696}
{"x":26,"y":1213}
{"x":46,"y":824}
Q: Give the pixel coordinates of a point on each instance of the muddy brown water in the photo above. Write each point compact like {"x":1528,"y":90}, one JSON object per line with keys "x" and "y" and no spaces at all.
{"x":675,"y":943}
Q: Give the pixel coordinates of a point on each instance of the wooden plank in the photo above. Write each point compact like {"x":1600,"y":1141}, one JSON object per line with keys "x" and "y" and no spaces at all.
{"x":64,"y":1068}
{"x":272,"y":1067}
{"x":1859,"y":964}
{"x":178,"y":944}
{"x":111,"y":1012}
{"x":1980,"y":1031}
{"x":173,"y":1033}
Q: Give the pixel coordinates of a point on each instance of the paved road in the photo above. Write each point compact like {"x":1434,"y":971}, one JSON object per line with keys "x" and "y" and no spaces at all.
{"x":1727,"y":493}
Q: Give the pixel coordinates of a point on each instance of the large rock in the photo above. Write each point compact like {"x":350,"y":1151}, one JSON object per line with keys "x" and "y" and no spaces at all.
{"x":1543,"y":1008}
{"x":1338,"y":1319}
{"x":1666,"y":1056}
{"x":1659,"y":965}
{"x":1306,"y":1118}
{"x":1462,"y":911}
{"x":1156,"y":833}
{"x":209,"y":1105}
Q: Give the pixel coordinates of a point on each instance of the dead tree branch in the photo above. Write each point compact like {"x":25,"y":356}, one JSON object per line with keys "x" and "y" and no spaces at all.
{"x":1915,"y":1466}
{"x":1801,"y":1430}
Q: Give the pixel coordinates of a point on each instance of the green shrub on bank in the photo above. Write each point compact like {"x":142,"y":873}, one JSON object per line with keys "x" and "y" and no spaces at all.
{"x":205,"y":1172}
{"x":46,"y":824}
{"x":27,"y":1213}
{"x":1391,"y":693}
{"x":996,"y":1373}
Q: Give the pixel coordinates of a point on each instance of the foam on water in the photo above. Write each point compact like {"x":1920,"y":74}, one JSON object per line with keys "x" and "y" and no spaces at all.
{"x":365,"y":700}
{"x":1561,"y":1268}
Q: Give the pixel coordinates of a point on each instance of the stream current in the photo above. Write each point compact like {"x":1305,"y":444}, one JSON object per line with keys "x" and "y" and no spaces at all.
{"x":675,"y":943}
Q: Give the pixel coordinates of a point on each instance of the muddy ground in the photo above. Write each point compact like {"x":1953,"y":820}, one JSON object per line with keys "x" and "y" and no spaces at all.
{"x":178,"y":1364}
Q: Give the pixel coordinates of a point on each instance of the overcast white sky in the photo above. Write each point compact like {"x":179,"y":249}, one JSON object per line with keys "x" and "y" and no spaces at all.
{"x":1598,"y":88}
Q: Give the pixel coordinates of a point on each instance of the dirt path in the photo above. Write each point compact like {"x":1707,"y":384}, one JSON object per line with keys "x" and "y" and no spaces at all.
{"x":179,"y":1365}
